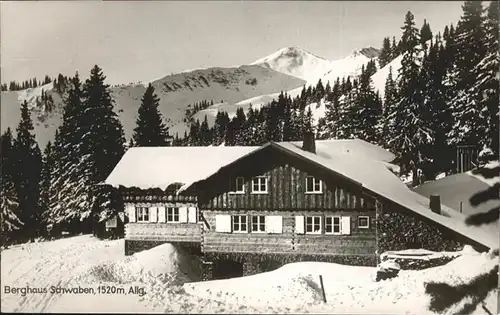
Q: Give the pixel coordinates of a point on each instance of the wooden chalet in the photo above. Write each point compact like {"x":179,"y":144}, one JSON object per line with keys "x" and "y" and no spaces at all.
{"x":261,"y":207}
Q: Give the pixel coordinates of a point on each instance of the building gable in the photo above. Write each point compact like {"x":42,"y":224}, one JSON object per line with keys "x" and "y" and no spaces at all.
{"x":282,"y":184}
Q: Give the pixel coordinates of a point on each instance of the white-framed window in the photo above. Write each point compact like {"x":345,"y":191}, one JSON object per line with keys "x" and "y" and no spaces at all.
{"x":142,"y":214}
{"x":173,"y":215}
{"x":259,"y":185}
{"x":258,"y":223}
{"x":313,"y":185}
{"x":237,"y":185}
{"x":332,"y":225}
{"x":363,"y":222}
{"x":313,"y":225}
{"x":240,"y":223}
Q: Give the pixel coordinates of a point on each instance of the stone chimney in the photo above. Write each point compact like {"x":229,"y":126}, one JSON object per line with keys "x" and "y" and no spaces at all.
{"x":309,"y":144}
{"x":435,"y":203}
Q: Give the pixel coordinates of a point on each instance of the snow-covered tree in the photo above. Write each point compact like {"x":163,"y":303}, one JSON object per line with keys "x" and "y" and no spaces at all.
{"x":468,"y":50}
{"x":103,"y":136}
{"x":9,"y":222}
{"x":150,"y":130}
{"x":68,"y":194}
{"x":28,"y":163}
{"x":425,"y":33}
{"x":413,"y":135}
{"x":484,"y":90}
{"x":385,"y":53}
{"x":46,"y":179}
{"x":390,"y":101}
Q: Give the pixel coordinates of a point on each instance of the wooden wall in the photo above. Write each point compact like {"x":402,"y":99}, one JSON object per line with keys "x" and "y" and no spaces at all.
{"x":286,"y":187}
{"x":155,"y":231}
{"x":359,"y":242}
{"x":168,"y":232}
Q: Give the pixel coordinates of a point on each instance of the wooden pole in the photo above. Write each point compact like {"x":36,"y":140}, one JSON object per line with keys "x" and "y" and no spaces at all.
{"x":322,"y":288}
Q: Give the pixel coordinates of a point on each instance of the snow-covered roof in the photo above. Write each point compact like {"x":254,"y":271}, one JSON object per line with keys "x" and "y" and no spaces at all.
{"x":375,"y":177}
{"x":361,"y":162}
{"x":351,"y":147}
{"x":159,"y":167}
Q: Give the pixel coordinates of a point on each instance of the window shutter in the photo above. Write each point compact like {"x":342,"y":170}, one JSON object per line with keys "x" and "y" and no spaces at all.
{"x":153,"y":214}
{"x":161,"y":214}
{"x":223,"y":223}
{"x":192,"y":214}
{"x":345,"y":225}
{"x":183,"y":215}
{"x":274,"y":224}
{"x":131,"y":213}
{"x":299,"y":224}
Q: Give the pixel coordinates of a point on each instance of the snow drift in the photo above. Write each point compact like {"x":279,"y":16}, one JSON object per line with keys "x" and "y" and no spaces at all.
{"x":348,"y":289}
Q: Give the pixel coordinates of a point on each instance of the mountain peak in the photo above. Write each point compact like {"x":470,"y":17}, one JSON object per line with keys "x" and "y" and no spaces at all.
{"x":294,"y":61}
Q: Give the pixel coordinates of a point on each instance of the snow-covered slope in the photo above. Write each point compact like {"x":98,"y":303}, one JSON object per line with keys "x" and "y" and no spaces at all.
{"x":175,"y":91}
{"x":299,"y":63}
{"x":296,"y":62}
{"x":160,"y":280}
{"x":349,"y":66}
{"x":380,"y":76}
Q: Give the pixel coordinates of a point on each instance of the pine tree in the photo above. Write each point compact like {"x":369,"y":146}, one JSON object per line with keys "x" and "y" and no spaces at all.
{"x":394,"y":48}
{"x":332,"y":110}
{"x":365,"y":112}
{"x":385,"y":53}
{"x":150,"y":131}
{"x":469,"y":49}
{"x":105,"y":133}
{"x":9,"y":221}
{"x":425,"y":33}
{"x":484,"y":91}
{"x":194,"y":134}
{"x":238,"y":122}
{"x":205,"y":135}
{"x":103,"y":137}
{"x":433,"y":72}
{"x":69,"y":193}
{"x":413,"y":135}
{"x":28,"y":165}
{"x":46,"y":180}
{"x":273,"y":124}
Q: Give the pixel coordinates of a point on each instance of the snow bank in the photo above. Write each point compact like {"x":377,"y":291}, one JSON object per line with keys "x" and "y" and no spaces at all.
{"x":348,"y":289}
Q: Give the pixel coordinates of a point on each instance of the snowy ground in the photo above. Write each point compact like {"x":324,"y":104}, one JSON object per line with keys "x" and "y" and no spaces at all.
{"x":162,"y":273}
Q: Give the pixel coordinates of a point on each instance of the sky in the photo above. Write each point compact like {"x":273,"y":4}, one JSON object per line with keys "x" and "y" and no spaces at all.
{"x":144,"y":40}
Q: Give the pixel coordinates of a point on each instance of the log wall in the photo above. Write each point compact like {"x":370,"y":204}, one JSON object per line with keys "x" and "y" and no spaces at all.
{"x":359,"y":242}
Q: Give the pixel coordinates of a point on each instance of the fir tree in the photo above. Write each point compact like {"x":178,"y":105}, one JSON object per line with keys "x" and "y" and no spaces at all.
{"x":103,"y":137}
{"x":150,"y":131}
{"x":433,"y":72}
{"x":103,"y":130}
{"x":484,"y":91}
{"x":425,"y":33}
{"x":469,"y":49}
{"x":9,"y":221}
{"x":413,"y":135}
{"x":28,"y":165}
{"x":394,"y":48}
{"x":194,"y":133}
{"x":385,"y":52}
{"x":68,"y":194}
{"x":46,"y":180}
{"x":238,"y":123}
{"x":205,"y":134}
